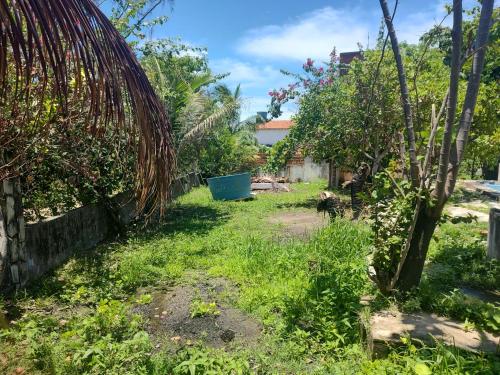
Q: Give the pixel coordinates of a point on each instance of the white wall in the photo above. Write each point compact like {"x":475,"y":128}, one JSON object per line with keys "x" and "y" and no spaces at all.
{"x":307,"y":172}
{"x":270,"y":136}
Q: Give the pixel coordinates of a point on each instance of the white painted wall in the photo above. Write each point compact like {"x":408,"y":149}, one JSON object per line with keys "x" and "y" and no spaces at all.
{"x":270,"y":136}
{"x":307,"y":172}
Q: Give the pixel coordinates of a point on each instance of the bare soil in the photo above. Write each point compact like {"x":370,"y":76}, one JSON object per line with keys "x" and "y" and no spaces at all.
{"x":300,"y":224}
{"x":170,"y":322}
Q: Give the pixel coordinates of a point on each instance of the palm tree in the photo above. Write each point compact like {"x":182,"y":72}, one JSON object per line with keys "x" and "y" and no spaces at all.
{"x":69,"y":52}
{"x":69,"y":46}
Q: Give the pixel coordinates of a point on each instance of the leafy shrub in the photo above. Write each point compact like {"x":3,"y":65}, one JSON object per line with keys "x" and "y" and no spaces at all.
{"x":198,"y":361}
{"x":200,"y":308}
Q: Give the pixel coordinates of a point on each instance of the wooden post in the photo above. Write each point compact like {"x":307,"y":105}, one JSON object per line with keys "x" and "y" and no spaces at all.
{"x":494,"y":234}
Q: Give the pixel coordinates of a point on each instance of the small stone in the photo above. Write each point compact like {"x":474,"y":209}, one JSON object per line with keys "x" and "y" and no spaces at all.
{"x":157,"y":316}
{"x":175,"y":339}
{"x":63,"y":322}
{"x":164,"y":313}
{"x":227,"y":335}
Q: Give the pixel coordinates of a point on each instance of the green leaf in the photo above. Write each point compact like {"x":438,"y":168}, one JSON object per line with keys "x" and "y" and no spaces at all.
{"x":422,"y":369}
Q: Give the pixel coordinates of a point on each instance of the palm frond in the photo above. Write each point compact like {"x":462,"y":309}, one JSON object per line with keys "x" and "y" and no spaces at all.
{"x":73,"y":43}
{"x":209,"y":123}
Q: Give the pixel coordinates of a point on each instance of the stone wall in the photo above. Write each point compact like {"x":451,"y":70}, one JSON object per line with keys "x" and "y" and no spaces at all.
{"x":13,"y":254}
{"x":51,"y":242}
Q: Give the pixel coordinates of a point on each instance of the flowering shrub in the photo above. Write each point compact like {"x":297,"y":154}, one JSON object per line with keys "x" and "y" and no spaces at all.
{"x":315,"y":77}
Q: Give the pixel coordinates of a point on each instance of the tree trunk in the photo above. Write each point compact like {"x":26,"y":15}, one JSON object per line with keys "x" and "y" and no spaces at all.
{"x":405,"y":96}
{"x":331,"y":174}
{"x":411,"y":272}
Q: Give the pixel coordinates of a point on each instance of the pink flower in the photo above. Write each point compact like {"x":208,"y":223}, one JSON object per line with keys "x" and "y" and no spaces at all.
{"x":309,"y":62}
{"x":320,"y":70}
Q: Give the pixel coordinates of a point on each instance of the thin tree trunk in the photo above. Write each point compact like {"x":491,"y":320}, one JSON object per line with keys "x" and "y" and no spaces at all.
{"x":405,"y":97}
{"x":413,"y":266}
{"x":444,"y":156}
{"x":471,"y":94}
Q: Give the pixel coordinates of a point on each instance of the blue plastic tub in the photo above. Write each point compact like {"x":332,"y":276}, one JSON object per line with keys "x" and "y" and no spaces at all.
{"x":231,"y":187}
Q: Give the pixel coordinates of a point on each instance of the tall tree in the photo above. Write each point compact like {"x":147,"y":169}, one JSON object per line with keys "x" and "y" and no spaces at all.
{"x":430,"y":200}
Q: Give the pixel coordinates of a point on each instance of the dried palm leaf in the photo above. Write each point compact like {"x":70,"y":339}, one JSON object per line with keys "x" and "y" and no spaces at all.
{"x":76,"y":49}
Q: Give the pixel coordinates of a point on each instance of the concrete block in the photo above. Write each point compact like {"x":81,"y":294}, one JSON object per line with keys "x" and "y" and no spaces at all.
{"x":12,"y":244}
{"x":494,"y":234}
{"x":10,"y":208}
{"x":22,"y":229}
{"x":8,"y":187}
{"x":386,"y":329}
{"x":14,"y":272}
{"x":12,"y":229}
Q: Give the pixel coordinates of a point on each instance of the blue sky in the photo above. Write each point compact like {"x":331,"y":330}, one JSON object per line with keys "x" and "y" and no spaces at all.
{"x":253,"y":40}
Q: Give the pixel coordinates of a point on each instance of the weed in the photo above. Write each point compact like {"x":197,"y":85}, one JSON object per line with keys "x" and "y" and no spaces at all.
{"x":200,"y":308}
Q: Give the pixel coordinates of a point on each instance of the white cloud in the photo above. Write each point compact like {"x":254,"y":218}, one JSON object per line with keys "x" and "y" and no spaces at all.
{"x":247,"y":74}
{"x":313,"y":35}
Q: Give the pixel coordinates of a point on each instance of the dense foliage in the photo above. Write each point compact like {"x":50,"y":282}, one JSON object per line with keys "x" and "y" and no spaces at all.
{"x":68,"y":161}
{"x":350,"y":114}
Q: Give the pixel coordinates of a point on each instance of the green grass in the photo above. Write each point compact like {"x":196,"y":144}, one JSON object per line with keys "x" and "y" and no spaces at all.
{"x":305,"y":292}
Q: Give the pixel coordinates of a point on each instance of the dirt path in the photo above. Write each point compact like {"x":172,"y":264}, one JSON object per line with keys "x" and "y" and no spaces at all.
{"x":300,"y":224}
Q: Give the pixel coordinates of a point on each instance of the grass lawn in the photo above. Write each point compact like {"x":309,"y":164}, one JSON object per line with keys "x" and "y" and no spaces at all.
{"x":304,"y":292}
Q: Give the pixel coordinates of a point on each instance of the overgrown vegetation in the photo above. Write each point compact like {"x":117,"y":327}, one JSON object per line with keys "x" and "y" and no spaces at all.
{"x":305,"y":292}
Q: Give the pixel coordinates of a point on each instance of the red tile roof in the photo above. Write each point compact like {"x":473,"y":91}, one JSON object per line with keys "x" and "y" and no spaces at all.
{"x":275,"y":124}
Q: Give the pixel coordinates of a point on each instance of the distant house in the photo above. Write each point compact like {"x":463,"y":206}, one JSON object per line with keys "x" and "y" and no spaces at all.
{"x":273,"y":131}
{"x":346,"y":59}
{"x":299,"y":168}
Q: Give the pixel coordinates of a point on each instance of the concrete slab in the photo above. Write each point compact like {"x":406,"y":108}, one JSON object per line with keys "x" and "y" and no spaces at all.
{"x":457,"y":211}
{"x":388,"y":328}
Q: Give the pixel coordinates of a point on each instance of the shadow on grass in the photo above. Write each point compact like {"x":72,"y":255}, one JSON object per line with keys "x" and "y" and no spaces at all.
{"x":91,"y":275}
{"x":462,"y":195}
{"x":308,"y":203}
{"x":191,"y":219}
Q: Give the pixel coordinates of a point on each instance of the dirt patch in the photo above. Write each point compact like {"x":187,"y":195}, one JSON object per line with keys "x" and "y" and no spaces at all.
{"x":300,"y":224}
{"x":170,"y":318}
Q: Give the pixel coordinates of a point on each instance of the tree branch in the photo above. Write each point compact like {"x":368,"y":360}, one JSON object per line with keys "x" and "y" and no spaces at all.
{"x":444,"y":157}
{"x":471,"y":93}
{"x":405,"y":98}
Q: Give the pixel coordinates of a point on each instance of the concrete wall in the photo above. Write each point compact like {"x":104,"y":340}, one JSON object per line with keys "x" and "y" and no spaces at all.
{"x":51,"y":242}
{"x":307,"y":171}
{"x":270,"y":136}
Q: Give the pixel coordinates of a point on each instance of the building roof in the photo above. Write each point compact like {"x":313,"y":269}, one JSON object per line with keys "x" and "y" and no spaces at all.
{"x":275,"y":124}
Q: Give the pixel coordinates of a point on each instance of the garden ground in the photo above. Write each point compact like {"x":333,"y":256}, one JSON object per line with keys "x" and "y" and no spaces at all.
{"x":235,"y":287}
